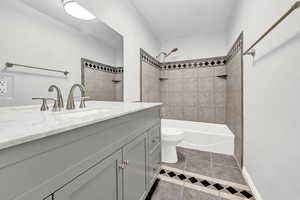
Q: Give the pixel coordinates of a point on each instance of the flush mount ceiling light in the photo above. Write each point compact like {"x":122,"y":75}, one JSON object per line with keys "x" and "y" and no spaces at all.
{"x":76,"y":10}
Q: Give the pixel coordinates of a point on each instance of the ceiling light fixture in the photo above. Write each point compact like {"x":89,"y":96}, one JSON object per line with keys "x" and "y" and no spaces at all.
{"x":76,"y":10}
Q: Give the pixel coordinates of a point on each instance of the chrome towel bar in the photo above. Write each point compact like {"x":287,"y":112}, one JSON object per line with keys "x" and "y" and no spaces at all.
{"x":10,"y":65}
{"x":251,"y":51}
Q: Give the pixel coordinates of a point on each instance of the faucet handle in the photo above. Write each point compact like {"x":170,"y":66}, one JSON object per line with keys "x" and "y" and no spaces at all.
{"x":55,"y":105}
{"x":82,"y":101}
{"x":83,"y":98}
{"x":44,"y":106}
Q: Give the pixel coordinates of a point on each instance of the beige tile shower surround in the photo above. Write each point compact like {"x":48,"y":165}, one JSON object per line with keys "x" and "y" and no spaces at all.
{"x":196,"y":92}
{"x":103,"y":85}
{"x":234,"y":100}
{"x":192,"y":93}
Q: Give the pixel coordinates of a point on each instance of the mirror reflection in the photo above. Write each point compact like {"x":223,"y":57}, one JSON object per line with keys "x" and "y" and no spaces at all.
{"x":46,"y":43}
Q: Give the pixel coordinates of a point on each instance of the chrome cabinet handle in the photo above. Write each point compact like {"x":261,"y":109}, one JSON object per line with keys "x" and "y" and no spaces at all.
{"x":122,"y":166}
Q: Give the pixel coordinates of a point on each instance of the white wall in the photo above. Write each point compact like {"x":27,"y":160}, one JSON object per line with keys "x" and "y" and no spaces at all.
{"x":196,"y":46}
{"x":123,"y":17}
{"x":29,"y":37}
{"x":271,"y":98}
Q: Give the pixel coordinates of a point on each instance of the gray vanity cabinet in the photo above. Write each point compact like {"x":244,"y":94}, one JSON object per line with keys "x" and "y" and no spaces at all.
{"x":102,"y":181}
{"x":135,"y":156}
{"x":117,"y":159}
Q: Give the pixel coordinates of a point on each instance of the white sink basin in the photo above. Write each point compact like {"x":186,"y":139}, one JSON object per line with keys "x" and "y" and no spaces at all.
{"x":81,"y":113}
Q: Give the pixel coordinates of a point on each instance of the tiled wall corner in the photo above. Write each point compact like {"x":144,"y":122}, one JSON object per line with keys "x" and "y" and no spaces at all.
{"x":234,"y":99}
{"x":150,"y":83}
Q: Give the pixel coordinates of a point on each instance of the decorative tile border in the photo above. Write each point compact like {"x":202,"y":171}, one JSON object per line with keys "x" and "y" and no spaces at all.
{"x":196,"y":63}
{"x":185,"y":64}
{"x":237,"y":185}
{"x":86,"y":63}
{"x":237,"y":46}
{"x":209,"y":185}
{"x":146,"y":57}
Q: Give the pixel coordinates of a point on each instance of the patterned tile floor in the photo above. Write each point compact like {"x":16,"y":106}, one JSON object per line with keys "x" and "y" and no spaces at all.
{"x":201,"y":176}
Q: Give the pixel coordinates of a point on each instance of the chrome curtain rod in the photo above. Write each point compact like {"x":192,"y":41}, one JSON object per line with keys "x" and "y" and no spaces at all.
{"x":10,"y":65}
{"x":251,"y":51}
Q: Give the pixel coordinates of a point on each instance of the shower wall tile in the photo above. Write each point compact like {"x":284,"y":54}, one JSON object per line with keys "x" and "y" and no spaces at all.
{"x":197,"y":93}
{"x":206,"y":84}
{"x":220,"y":115}
{"x":206,"y":99}
{"x":190,"y":84}
{"x":219,"y":84}
{"x":150,"y":83}
{"x":176,"y":112}
{"x":234,"y":97}
{"x":164,"y":98}
{"x":190,"y":113}
{"x":100,"y":87}
{"x":206,"y":114}
{"x":175,"y":85}
{"x":98,"y":80}
{"x":164,"y":86}
{"x":206,"y":72}
{"x":220,"y":98}
{"x":220,"y":70}
{"x":190,"y":73}
{"x":189,"y":89}
{"x":175,"y":74}
{"x":175,"y":98}
{"x":189,"y":98}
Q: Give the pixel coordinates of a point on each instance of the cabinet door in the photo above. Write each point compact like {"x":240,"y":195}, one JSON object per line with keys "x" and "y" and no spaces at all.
{"x":135,"y":172}
{"x":154,"y":165}
{"x":103,"y":181}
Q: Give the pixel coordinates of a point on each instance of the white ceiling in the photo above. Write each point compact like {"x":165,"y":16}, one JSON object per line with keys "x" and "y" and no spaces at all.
{"x":95,"y":28}
{"x":170,"y":19}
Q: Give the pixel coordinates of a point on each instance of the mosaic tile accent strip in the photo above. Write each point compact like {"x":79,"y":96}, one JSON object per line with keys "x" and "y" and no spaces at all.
{"x":100,"y":66}
{"x":198,"y":63}
{"x":149,"y":59}
{"x":185,"y":64}
{"x":237,"y":46}
{"x":228,"y":191}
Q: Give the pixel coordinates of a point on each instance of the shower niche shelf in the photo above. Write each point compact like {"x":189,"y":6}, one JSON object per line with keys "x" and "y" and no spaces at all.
{"x":222,"y":76}
{"x":116,"y":81}
{"x":163,"y":78}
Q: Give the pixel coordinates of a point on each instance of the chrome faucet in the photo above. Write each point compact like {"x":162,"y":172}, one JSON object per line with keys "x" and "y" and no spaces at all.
{"x":45,"y":107}
{"x":60,"y":101}
{"x":70,"y":101}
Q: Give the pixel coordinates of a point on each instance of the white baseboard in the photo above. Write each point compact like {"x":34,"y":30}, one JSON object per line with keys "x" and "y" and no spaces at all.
{"x":251,"y":184}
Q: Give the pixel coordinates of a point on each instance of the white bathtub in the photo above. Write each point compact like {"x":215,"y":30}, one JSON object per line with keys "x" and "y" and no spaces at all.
{"x":203,"y":136}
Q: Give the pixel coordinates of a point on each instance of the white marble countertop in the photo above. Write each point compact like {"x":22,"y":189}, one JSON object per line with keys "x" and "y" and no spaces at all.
{"x":27,"y":123}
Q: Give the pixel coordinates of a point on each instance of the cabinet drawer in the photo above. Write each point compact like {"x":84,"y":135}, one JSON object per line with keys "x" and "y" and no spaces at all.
{"x":154,"y":164}
{"x":154,"y":138}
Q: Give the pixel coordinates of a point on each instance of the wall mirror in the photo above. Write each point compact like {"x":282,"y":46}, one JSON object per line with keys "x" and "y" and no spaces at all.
{"x":88,"y":50}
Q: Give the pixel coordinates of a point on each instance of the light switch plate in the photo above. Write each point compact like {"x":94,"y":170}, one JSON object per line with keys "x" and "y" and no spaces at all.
{"x":3,"y":87}
{"x":6,"y":87}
